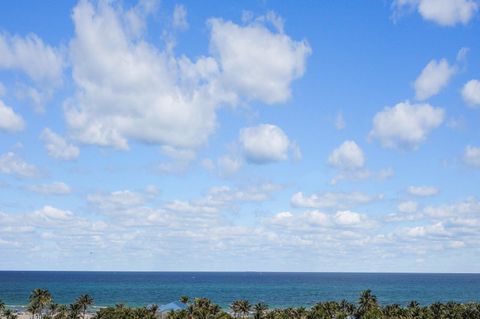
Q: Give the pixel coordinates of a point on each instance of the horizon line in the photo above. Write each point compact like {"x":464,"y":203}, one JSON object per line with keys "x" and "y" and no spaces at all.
{"x":245,"y":271}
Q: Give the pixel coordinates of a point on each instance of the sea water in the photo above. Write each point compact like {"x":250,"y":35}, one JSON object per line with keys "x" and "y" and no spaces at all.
{"x":275,"y":289}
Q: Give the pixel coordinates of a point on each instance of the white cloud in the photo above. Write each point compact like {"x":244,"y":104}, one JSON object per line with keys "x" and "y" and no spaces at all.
{"x":9,"y":120}
{"x":332,"y":200}
{"x":178,"y":153}
{"x":405,"y":126}
{"x":347,"y":156}
{"x":348,"y":218}
{"x":180,"y":17}
{"x":115,"y":201}
{"x":11,"y":163}
{"x":443,"y":12}
{"x":253,"y":193}
{"x":422,"y":191}
{"x":181,"y":159}
{"x":316,"y":219}
{"x":264,"y":143}
{"x":340,"y":121}
{"x":128,"y":89}
{"x":471,"y":93}
{"x":42,"y":63}
{"x":256,"y":62}
{"x":58,"y":147}
{"x":470,"y":206}
{"x":408,"y":207}
{"x":51,"y":213}
{"x":228,"y":165}
{"x":55,"y":188}
{"x":434,"y":77}
{"x":437,"y":229}
{"x":457,"y":244}
{"x":471,"y":156}
{"x":448,"y":12}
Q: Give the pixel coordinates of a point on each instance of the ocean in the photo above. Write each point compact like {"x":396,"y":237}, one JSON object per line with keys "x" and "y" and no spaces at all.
{"x":275,"y":289}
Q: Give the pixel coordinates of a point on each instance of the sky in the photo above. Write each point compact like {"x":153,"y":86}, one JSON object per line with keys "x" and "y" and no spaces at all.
{"x":240,"y":136}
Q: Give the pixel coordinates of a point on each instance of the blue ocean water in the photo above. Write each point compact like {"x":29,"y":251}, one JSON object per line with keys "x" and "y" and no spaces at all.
{"x":275,"y":289}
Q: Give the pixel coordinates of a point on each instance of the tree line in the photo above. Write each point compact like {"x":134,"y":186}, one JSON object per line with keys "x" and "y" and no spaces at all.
{"x":42,"y":306}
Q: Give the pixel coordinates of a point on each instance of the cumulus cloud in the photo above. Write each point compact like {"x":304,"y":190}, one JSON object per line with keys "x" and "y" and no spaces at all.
{"x":437,"y":229}
{"x":51,"y":213}
{"x":128,"y":89}
{"x":405,"y":125}
{"x":422,"y":191}
{"x":442,"y":12}
{"x":318,"y":219}
{"x":256,"y":62}
{"x":264,"y":143}
{"x":347,"y":217}
{"x":180,"y":17}
{"x":407,"y":207}
{"x":471,"y":93}
{"x":58,"y":147}
{"x":433,"y":78}
{"x":467,"y":207}
{"x":55,"y":188}
{"x":9,"y":120}
{"x":347,"y":156}
{"x":228,"y":165}
{"x":42,"y":63}
{"x":338,"y":200}
{"x":471,"y":156}
{"x":12,"y":164}
{"x":115,"y":201}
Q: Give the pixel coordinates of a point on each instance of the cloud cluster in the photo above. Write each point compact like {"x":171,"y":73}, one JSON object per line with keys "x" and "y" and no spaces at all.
{"x":442,"y":12}
{"x":471,"y":93}
{"x":347,"y":156}
{"x":43,"y":65}
{"x":422,"y":191}
{"x":471,"y":156}
{"x":337,"y":200}
{"x":58,"y":147}
{"x":265,"y":143}
{"x":405,"y":125}
{"x":9,"y":120}
{"x":129,"y":89}
{"x":55,"y":188}
{"x":13,"y":164}
{"x":433,"y":78}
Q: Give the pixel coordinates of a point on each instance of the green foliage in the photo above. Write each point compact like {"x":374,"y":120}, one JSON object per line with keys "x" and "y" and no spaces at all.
{"x":42,"y":306}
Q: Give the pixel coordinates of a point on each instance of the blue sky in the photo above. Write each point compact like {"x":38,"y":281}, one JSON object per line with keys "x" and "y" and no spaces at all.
{"x":225,"y":135}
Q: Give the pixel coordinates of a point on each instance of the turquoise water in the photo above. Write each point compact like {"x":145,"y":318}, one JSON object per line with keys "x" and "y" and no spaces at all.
{"x":275,"y":289}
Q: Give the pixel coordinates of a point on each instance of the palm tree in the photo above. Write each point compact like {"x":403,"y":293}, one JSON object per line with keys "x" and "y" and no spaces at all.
{"x":367,"y":304}
{"x":245,"y":308}
{"x":9,"y":314}
{"x":153,"y":309}
{"x":39,"y":299}
{"x":62,"y":312}
{"x":437,"y":310}
{"x":184,"y":299}
{"x":347,"y":307}
{"x":2,"y":306}
{"x":235,"y":307}
{"x":52,"y":309}
{"x":74,"y":311}
{"x":84,"y":301}
{"x":259,"y":310}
